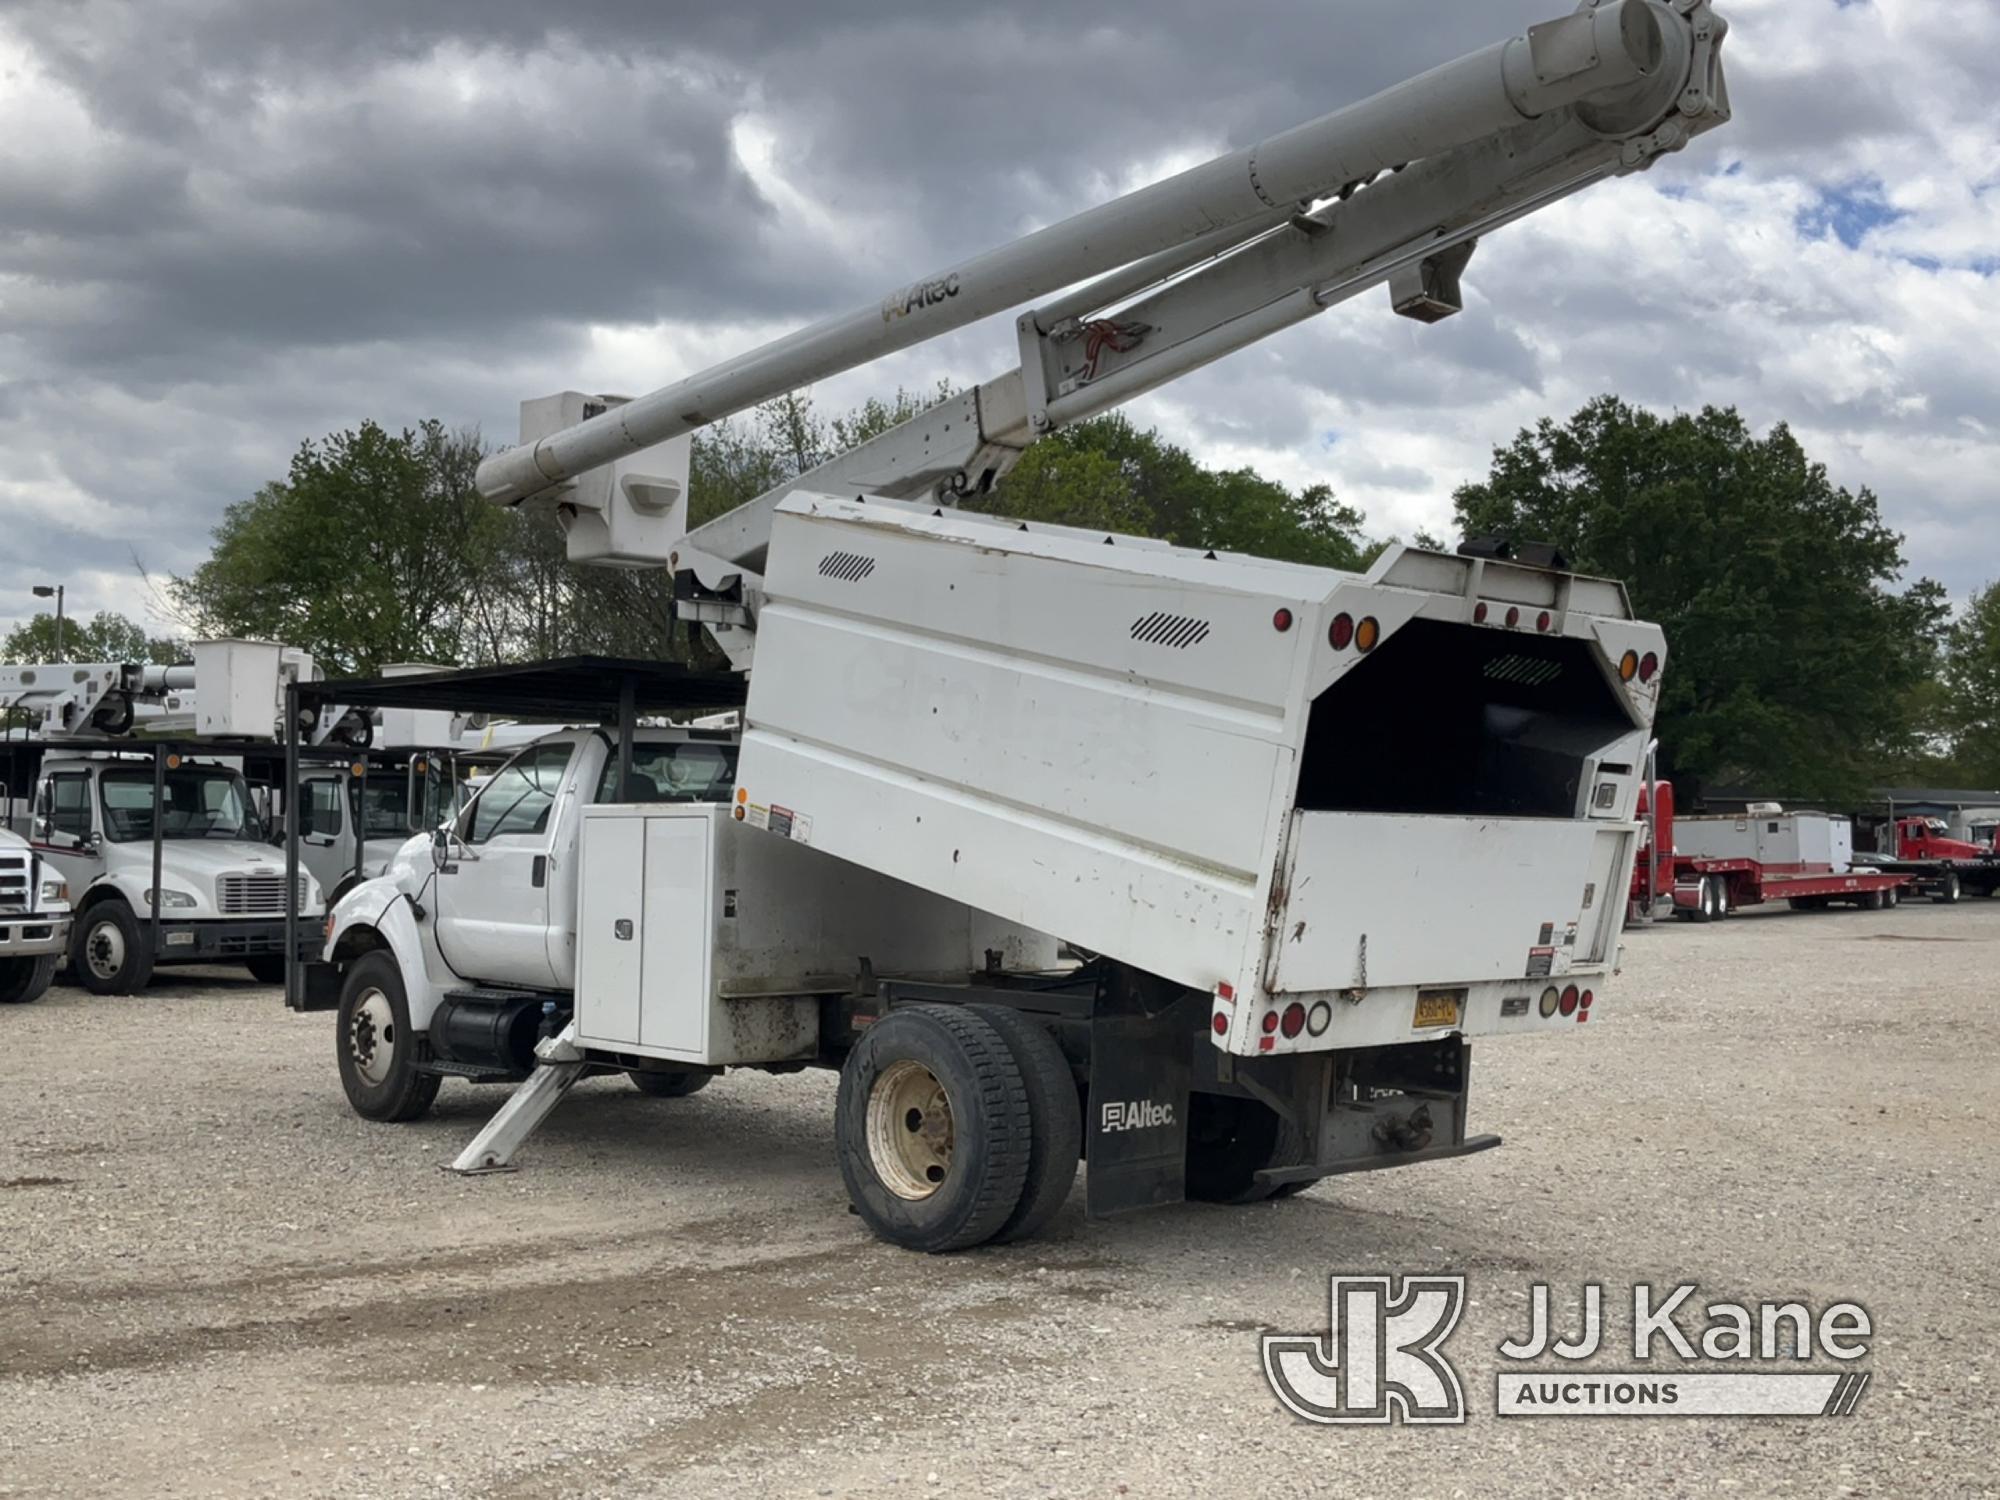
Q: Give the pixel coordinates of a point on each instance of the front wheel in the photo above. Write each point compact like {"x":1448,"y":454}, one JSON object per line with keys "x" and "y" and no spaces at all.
{"x":108,"y":952}
{"x":377,"y":1051}
{"x":23,"y":981}
{"x":932,"y":1128}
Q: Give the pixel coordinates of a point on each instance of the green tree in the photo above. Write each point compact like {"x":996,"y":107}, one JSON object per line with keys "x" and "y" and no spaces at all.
{"x":1971,"y":687}
{"x":1108,"y":474}
{"x":103,"y":637}
{"x":375,"y":548}
{"x":1794,"y":652}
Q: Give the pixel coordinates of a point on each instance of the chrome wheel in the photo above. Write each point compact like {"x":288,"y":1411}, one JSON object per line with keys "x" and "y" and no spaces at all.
{"x":104,"y":950}
{"x":910,"y":1130}
{"x":371,"y":1037}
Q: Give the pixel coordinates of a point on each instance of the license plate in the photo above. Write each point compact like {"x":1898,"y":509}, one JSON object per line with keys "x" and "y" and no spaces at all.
{"x":1438,"y":1008}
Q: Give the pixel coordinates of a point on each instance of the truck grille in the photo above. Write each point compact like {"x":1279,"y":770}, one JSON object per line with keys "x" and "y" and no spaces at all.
{"x":258,"y":895}
{"x":15,"y":878}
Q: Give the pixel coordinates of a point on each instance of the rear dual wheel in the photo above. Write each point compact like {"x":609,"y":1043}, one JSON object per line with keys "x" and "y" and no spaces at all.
{"x":955,"y":1126}
{"x":1711,"y":900}
{"x":1948,"y":889}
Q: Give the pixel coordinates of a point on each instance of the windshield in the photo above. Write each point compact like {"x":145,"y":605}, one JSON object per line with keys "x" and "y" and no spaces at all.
{"x":203,"y":802}
{"x":695,"y":771}
{"x":386,"y":810}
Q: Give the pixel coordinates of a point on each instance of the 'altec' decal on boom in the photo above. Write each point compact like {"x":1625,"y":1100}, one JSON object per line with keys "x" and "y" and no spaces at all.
{"x":915,"y":298}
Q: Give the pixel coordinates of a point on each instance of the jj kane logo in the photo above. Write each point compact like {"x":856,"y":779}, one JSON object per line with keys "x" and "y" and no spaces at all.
{"x":1383,"y":1359}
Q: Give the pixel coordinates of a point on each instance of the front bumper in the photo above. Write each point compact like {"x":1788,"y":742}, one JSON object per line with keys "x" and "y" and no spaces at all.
{"x":214,"y":942}
{"x":32,"y":935}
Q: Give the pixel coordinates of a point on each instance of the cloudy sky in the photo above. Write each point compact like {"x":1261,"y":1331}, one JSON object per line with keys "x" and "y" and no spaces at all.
{"x":227,"y":225}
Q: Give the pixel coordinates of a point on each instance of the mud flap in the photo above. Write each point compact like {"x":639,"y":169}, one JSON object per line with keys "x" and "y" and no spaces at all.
{"x":1143,"y":1033}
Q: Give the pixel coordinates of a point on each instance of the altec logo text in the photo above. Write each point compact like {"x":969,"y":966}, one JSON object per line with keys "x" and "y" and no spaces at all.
{"x":1136,"y":1114}
{"x":1383,"y":1360}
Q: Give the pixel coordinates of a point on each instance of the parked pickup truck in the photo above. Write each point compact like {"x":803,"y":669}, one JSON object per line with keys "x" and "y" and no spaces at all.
{"x":34,"y":920}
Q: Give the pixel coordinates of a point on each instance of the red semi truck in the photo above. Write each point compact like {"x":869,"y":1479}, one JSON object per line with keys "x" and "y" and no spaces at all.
{"x":1940,"y":866}
{"x":1710,"y":866}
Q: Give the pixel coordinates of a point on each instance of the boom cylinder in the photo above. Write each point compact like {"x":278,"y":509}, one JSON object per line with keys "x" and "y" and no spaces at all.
{"x":1601,"y":52}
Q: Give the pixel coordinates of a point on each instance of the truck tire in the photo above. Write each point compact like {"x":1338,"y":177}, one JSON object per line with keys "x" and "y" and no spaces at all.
{"x":108,"y":950}
{"x":1704,"y":901}
{"x":23,"y":981}
{"x":932,"y":1128}
{"x":671,"y":1085}
{"x":1055,"y":1122}
{"x":1948,"y":889}
{"x":1892,"y":897}
{"x":374,"y":1045}
{"x":1874,"y":901}
{"x":267,"y":968}
{"x":1229,"y":1141}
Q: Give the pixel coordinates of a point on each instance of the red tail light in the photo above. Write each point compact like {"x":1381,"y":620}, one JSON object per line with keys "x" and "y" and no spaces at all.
{"x":1513,"y":618}
{"x":1479,"y":615}
{"x":1585,"y":1002}
{"x":1295,"y":1019}
{"x":1221,"y":1024}
{"x":1341,"y":634}
{"x":1270,"y":1022}
{"x":1649,"y":667}
{"x":1569,"y":1002}
{"x":1543,"y":621}
{"x":1282,"y":621}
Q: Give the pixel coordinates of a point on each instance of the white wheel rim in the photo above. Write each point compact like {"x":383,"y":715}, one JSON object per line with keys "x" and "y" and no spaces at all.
{"x":371,"y":1038}
{"x":104,"y":950}
{"x":911,"y":1133}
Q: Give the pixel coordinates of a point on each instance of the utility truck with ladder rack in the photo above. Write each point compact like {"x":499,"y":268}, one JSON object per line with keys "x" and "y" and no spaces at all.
{"x":163,"y":853}
{"x":1233,"y":781}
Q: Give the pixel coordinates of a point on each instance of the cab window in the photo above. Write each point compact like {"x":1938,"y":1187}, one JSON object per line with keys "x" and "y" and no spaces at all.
{"x":691,"y":771}
{"x":520,"y":795}
{"x":63,"y":809}
{"x":319,"y":808}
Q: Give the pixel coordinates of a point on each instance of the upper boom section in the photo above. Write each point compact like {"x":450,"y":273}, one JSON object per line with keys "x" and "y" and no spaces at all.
{"x":1620,"y":63}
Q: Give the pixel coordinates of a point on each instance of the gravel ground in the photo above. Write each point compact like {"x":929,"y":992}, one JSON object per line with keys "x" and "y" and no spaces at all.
{"x":214,"y":1280}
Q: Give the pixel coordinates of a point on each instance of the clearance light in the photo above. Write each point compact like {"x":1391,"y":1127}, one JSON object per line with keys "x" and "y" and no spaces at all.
{"x":1479,"y":615}
{"x":1649,"y":668}
{"x":1628,"y":667}
{"x":1295,"y":1020}
{"x":173,"y":762}
{"x":1569,"y":1001}
{"x":1513,"y":618}
{"x":1543,"y":621}
{"x":1550,"y":998}
{"x":1368,"y":634}
{"x":1282,"y":621}
{"x":1221,"y":1024}
{"x":1270,"y":1022}
{"x":1340,"y":635}
{"x":1319,"y":1018}
{"x":743,"y":794}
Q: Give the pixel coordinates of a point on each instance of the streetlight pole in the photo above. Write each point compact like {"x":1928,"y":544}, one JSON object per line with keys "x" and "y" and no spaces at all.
{"x":44,"y":591}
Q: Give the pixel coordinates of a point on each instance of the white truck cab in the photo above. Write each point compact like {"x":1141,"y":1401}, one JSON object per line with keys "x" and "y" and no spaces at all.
{"x":34,"y":920}
{"x":498,"y":886}
{"x":221,"y":886}
{"x":381,"y":806}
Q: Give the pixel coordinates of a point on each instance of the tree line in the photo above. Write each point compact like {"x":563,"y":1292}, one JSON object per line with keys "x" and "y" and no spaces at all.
{"x":1802,"y":662}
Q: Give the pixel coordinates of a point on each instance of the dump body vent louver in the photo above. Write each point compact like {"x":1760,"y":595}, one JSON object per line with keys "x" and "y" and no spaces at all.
{"x":1177,"y":631}
{"x":851,"y":566}
{"x":1529,"y":671}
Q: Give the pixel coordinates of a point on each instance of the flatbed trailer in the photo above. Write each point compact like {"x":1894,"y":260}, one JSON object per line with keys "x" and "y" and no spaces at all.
{"x":1943,"y":880}
{"x":1707,"y":890}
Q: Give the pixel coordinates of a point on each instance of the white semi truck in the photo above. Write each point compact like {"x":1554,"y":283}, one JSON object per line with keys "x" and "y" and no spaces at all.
{"x":162,"y":850}
{"x":34,"y":919}
{"x":1320,"y":830}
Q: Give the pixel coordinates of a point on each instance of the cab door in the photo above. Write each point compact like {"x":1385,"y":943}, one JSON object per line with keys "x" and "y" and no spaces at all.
{"x":493,"y":892}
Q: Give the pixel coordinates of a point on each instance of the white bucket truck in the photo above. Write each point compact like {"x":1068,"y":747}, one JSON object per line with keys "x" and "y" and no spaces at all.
{"x":1321,"y":830}
{"x":164,"y":854}
{"x":34,"y":919}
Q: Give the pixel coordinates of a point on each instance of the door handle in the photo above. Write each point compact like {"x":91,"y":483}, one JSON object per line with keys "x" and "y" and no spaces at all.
{"x":538,"y":875}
